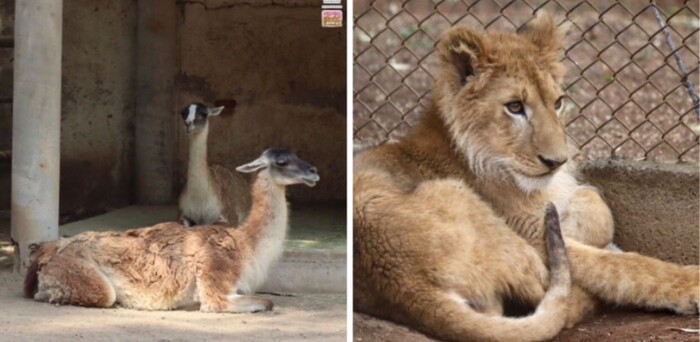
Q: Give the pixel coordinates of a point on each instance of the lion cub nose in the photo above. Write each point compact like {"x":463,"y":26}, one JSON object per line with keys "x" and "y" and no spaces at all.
{"x":552,"y":164}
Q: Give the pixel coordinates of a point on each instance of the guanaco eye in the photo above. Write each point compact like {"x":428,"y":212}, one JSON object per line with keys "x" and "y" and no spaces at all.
{"x":559,"y":104}
{"x":515,"y":108}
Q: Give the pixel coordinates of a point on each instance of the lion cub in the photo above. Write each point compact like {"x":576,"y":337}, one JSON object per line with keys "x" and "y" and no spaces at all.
{"x":448,"y":221}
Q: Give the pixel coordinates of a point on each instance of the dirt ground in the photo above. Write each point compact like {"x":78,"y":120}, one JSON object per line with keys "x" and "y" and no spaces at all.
{"x":612,"y":326}
{"x":297,"y":318}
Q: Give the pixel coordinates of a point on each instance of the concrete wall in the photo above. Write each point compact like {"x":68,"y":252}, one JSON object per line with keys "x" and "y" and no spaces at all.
{"x":655,"y":206}
{"x":286,"y":75}
{"x":99,"y":51}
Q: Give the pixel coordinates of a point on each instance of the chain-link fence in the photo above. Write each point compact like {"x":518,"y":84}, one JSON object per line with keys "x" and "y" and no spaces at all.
{"x":628,"y":97}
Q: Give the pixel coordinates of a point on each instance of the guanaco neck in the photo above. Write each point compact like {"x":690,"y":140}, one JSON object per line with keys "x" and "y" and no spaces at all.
{"x":264,"y":231}
{"x":268,"y":215}
{"x":198,"y":177}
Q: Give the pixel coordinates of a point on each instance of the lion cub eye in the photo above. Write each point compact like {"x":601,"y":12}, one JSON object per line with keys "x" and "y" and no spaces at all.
{"x":559,"y":105}
{"x":560,"y":102}
{"x":515,"y":108}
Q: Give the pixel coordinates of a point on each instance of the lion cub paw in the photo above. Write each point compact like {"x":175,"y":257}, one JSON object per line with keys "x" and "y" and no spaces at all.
{"x":689,"y":298}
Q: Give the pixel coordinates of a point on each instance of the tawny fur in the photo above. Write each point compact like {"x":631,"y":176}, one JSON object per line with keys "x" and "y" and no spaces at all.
{"x":454,"y":210}
{"x":169,"y":266}
{"x":212,"y":193}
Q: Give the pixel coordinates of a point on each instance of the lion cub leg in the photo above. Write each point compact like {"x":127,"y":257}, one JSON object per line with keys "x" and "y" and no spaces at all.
{"x":633,"y":279}
{"x":527,"y":279}
{"x":440,"y":259}
{"x":522,"y":276}
{"x":588,"y":219}
{"x":581,"y":305}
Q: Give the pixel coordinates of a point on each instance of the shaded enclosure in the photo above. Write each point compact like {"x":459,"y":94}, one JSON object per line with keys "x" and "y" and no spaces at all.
{"x":278,"y":72}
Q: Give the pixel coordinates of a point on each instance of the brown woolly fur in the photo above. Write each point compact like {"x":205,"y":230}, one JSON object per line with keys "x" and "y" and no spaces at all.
{"x":450,"y":221}
{"x":31,"y":282}
{"x":170,"y":266}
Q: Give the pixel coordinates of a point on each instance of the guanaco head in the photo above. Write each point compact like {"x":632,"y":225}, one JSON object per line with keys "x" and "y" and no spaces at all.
{"x":195,"y":116}
{"x":284,"y":167}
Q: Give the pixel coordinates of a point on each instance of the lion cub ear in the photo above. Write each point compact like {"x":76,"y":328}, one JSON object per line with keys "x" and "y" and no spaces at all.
{"x":464,"y":49}
{"x":544,"y":32}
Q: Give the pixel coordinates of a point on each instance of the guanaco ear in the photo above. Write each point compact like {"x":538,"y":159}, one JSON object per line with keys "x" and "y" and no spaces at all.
{"x":465,"y":50}
{"x":214,"y":111}
{"x":253,"y":166}
{"x":544,"y":32}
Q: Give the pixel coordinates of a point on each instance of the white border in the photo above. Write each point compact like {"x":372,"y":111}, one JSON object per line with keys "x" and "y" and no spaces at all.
{"x":350,"y":21}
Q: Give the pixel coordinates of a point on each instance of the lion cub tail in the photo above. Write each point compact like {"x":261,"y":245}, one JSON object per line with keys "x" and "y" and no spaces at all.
{"x":559,"y":271}
{"x":455,"y":320}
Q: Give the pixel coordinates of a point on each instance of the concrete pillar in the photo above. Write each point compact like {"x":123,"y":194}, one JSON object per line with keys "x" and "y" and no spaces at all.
{"x":36,"y":124}
{"x":155,"y":101}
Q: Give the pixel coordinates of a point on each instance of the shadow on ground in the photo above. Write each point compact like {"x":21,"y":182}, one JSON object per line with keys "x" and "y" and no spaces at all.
{"x":299,"y":317}
{"x":614,"y":325}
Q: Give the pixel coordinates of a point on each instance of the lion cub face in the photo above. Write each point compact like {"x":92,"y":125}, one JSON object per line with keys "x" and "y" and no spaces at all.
{"x":501,"y":99}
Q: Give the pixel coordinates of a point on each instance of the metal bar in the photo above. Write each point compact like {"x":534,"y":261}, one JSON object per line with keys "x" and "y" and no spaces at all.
{"x":36,"y":122}
{"x":686,"y":80}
